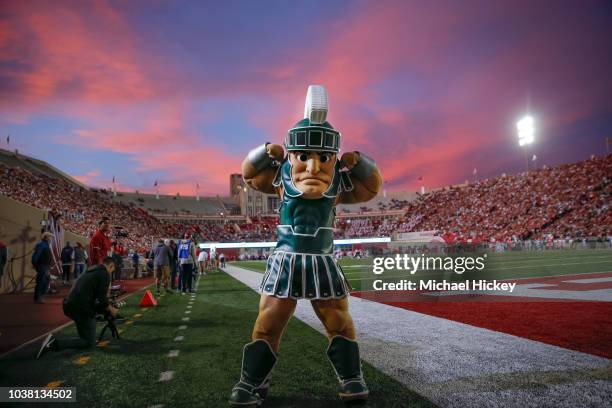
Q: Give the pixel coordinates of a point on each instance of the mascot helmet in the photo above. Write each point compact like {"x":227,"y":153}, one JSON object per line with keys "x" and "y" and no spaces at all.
{"x":314,"y":132}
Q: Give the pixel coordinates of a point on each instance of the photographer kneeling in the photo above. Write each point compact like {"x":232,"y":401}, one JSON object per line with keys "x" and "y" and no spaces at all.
{"x":86,"y":298}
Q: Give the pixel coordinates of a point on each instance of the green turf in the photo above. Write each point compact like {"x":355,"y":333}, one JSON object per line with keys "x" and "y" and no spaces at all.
{"x":125,"y":374}
{"x":507,"y":265}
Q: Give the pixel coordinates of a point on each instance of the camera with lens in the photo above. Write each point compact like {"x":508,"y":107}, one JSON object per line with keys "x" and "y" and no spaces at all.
{"x":107,"y":317}
{"x":120,"y":232}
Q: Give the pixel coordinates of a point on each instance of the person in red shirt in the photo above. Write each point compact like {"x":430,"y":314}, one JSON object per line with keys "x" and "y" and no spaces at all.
{"x":100,"y":244}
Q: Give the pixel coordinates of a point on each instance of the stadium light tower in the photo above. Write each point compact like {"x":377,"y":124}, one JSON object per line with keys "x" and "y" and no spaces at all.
{"x":526,"y":134}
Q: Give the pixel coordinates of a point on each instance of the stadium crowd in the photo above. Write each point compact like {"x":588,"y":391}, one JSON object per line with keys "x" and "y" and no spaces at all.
{"x":571,"y":200}
{"x":79,"y":209}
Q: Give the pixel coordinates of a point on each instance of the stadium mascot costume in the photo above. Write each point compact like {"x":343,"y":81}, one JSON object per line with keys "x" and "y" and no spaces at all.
{"x":310,"y":181}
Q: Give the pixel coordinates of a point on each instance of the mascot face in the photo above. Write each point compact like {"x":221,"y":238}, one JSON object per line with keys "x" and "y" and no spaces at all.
{"x":312,"y":172}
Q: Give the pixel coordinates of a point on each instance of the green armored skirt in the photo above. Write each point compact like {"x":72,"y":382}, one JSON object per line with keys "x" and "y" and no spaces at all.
{"x":303,"y":276}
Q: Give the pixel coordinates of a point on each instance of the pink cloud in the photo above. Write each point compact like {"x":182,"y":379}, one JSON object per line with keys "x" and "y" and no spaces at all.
{"x":90,"y":178}
{"x":54,"y":52}
{"x":129,"y":102}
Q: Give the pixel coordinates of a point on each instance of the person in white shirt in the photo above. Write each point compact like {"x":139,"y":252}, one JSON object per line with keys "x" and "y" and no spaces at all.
{"x":202,"y":258}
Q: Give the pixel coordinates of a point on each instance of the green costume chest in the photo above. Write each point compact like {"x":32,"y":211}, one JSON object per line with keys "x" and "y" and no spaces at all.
{"x":306,"y":226}
{"x":302,"y":265}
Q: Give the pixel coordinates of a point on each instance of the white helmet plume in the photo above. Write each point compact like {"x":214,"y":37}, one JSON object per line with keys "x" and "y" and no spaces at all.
{"x":316,"y":105}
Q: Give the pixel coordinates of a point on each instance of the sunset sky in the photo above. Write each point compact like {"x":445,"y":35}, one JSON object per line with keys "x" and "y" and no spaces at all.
{"x":179,"y":91}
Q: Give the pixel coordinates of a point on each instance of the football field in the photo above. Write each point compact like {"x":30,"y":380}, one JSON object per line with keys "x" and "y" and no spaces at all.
{"x":186,"y":352}
{"x":548,"y":343}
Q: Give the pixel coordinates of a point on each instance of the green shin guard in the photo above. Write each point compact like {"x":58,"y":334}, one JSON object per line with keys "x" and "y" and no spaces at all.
{"x":344,"y":356}
{"x":258,"y":360}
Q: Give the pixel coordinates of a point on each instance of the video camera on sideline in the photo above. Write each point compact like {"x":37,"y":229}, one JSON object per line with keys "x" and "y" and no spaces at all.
{"x":115,"y":292}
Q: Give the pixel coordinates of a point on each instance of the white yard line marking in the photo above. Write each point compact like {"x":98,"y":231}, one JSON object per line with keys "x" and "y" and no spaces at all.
{"x":185,"y":319}
{"x":173,"y":353}
{"x":183,"y":327}
{"x":179,"y":338}
{"x":187,"y":311}
{"x":189,"y":306}
{"x":166,"y":375}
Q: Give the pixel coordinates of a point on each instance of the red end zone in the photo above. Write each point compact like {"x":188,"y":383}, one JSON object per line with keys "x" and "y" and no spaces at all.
{"x":559,"y":320}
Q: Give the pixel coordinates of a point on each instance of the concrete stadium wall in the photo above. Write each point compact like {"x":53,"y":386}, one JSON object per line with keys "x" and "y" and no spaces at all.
{"x":20,"y":230}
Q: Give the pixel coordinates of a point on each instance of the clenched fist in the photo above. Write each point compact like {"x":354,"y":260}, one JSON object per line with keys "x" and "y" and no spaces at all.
{"x":349,"y":159}
{"x":276,"y":152}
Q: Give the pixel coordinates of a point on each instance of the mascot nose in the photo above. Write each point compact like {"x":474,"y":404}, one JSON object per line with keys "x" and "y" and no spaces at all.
{"x":313,"y":166}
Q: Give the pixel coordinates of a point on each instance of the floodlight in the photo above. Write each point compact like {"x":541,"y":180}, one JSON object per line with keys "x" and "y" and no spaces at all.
{"x":526,"y":130}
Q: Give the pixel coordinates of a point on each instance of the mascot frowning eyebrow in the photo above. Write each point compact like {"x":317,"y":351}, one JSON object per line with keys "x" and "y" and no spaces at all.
{"x":310,"y":181}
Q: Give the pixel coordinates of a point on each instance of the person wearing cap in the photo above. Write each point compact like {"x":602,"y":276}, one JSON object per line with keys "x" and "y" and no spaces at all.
{"x":311,"y":181}
{"x":100,"y":243}
{"x":41,"y":261}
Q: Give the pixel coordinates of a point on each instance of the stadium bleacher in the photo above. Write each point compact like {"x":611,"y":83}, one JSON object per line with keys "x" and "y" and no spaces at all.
{"x":176,"y":204}
{"x":571,"y":200}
